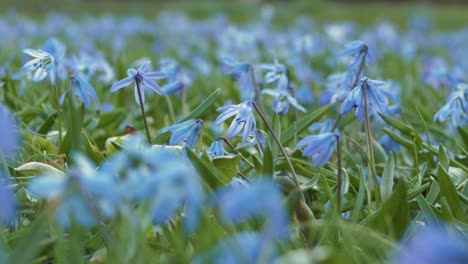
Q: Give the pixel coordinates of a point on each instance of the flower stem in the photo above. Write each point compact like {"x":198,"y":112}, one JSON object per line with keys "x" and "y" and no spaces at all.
{"x":59,"y":114}
{"x":339,"y":181}
{"x":370,"y":149}
{"x":142,"y":107}
{"x":283,"y":151}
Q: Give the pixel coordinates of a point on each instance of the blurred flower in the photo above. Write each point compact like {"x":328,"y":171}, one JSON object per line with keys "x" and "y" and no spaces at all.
{"x":237,"y":205}
{"x":143,"y":78}
{"x":10,"y":137}
{"x":185,"y":132}
{"x":83,"y":194}
{"x":320,"y":147}
{"x":173,"y":71}
{"x":433,"y":245}
{"x":377,"y":101}
{"x":276,"y":74}
{"x":282,"y":100}
{"x":244,"y":119}
{"x":244,"y":247}
{"x":435,"y":72}
{"x":42,"y":65}
{"x":456,"y":107}
{"x":81,"y":89}
{"x":242,"y":73}
{"x":359,"y":51}
{"x":7,"y":204}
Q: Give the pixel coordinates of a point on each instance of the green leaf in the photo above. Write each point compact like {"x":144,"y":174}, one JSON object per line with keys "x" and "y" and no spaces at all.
{"x":463,"y":135}
{"x":399,"y":139}
{"x":39,"y":168}
{"x":227,"y":164}
{"x":444,"y":159}
{"x":426,"y":210}
{"x":200,"y":110}
{"x":403,"y":128}
{"x":449,"y":192}
{"x":29,"y":243}
{"x":47,"y":124}
{"x":387,"y":178}
{"x":393,"y":218}
{"x":360,"y":199}
{"x":91,"y":149}
{"x":207,"y":170}
{"x":304,"y":123}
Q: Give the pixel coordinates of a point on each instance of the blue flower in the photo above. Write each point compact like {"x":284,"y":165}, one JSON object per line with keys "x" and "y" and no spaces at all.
{"x":320,"y":147}
{"x":433,"y":245}
{"x":435,"y":72}
{"x":10,"y":137}
{"x":81,"y":89}
{"x":359,"y":51}
{"x":282,"y":100}
{"x":337,"y":87}
{"x":83,"y":193}
{"x":243,"y":247}
{"x":42,"y":65}
{"x":237,"y":205}
{"x":377,"y":99}
{"x":185,"y":132}
{"x":243,"y":74}
{"x":143,"y":78}
{"x":217,"y":150}
{"x":173,"y":71}
{"x":7,"y":202}
{"x":456,"y":107}
{"x":157,"y":177}
{"x":244,"y":119}
{"x":276,"y":74}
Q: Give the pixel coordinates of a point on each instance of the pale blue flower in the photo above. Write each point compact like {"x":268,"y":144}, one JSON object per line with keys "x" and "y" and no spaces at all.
{"x":10,"y":136}
{"x":217,"y":150}
{"x":42,"y":64}
{"x":81,"y":89}
{"x":456,"y":107}
{"x":276,"y":74}
{"x":143,"y":78}
{"x":377,"y":99}
{"x":282,"y":100}
{"x":243,"y":247}
{"x":244,"y":119}
{"x":237,"y":205}
{"x":174,"y":72}
{"x":320,"y":147}
{"x":242,"y":72}
{"x":83,"y":193}
{"x":7,"y":202}
{"x":433,"y":245}
{"x":359,"y":51}
{"x":185,"y":132}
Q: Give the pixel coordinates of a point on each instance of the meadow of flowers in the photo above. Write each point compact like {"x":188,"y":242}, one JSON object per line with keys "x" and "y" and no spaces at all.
{"x":126,"y":139}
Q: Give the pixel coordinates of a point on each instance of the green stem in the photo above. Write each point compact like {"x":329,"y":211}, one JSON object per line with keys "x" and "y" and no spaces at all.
{"x":236,"y":151}
{"x":280,"y":146}
{"x":142,"y":107}
{"x":59,"y":114}
{"x":339,"y":181}
{"x":370,"y":149}
{"x":171,"y":108}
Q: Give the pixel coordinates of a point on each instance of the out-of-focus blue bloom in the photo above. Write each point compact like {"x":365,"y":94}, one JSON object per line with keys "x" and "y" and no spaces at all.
{"x":143,"y":78}
{"x":83,"y":193}
{"x":244,"y":247}
{"x":435,"y":72}
{"x":304,"y":95}
{"x":58,"y":50}
{"x":237,"y":205}
{"x":389,"y":144}
{"x":433,"y":245}
{"x":244,"y":119}
{"x":81,"y":89}
{"x":7,"y":203}
{"x":42,"y":64}
{"x":276,"y":73}
{"x":377,"y":101}
{"x":320,"y":147}
{"x":359,"y":51}
{"x":456,"y":107}
{"x":185,"y":132}
{"x":173,"y":71}
{"x":337,"y":87}
{"x":322,"y":127}
{"x":10,"y":137}
{"x":242,"y":73}
{"x":282,"y":100}
{"x":88,"y":65}
{"x":158,"y":177}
